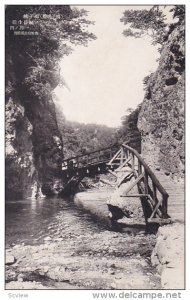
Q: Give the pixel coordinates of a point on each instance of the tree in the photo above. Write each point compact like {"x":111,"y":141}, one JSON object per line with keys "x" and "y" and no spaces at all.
{"x":80,"y":138}
{"x":37,"y":56}
{"x":37,"y":37}
{"x":152,"y":22}
{"x":129,"y":131}
{"x":178,"y":12}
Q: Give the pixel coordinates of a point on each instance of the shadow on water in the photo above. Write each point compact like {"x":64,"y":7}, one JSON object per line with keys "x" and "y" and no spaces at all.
{"x":28,"y":221}
{"x":85,"y":238}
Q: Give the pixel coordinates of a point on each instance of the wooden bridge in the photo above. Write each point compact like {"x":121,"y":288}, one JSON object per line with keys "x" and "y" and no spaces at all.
{"x":127,"y":165}
{"x":88,"y":164}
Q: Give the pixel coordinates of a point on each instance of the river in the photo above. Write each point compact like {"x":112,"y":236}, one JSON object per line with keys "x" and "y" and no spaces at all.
{"x":54,"y":241}
{"x":29,"y":221}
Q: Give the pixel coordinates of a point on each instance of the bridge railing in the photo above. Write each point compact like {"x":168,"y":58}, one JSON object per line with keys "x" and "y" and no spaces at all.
{"x":157,"y":194}
{"x":84,"y":160}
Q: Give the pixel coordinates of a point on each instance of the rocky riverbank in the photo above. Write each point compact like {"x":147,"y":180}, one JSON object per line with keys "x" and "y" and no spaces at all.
{"x":168,"y":256}
{"x":75,"y":251}
{"x":82,"y":254}
{"x":100,"y":261}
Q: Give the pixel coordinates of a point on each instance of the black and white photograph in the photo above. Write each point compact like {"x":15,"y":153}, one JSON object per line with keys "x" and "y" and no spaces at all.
{"x":95,"y":148}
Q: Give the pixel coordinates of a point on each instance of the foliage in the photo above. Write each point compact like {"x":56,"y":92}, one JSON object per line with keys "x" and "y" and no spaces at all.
{"x":129,"y":131}
{"x":178,"y":12}
{"x":32,"y":72}
{"x":146,"y":81}
{"x":83,"y":138}
{"x":152,"y":22}
{"x":80,"y":138}
{"x":37,"y":56}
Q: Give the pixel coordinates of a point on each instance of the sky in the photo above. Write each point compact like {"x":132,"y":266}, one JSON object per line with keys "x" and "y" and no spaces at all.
{"x":105,"y":78}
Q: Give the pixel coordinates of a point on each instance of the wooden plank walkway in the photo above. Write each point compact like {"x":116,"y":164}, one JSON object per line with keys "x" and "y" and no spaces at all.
{"x":95,"y":201}
{"x":176,"y":191}
{"x":161,"y":197}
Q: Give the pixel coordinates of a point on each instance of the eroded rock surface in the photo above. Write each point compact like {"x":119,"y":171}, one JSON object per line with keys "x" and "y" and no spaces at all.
{"x":168,"y":256}
{"x":161,"y":119}
{"x":32,"y":141}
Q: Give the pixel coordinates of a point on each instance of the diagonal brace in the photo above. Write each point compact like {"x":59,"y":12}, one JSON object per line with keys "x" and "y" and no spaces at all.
{"x":124,"y":177}
{"x":123,"y":164}
{"x":135,"y":182}
{"x":115,"y":156}
{"x":155,"y":209}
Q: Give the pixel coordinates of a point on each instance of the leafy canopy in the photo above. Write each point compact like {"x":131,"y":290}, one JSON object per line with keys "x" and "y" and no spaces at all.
{"x":129,"y":131}
{"x":36,"y":57}
{"x":79,"y":138}
{"x":152,"y":22}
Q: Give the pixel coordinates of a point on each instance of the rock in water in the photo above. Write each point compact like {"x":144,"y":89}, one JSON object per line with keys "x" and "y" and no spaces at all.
{"x":10,"y":259}
{"x":46,"y":239}
{"x":20,"y":278}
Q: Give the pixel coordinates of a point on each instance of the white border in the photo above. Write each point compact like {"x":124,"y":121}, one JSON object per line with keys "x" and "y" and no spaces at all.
{"x":77,"y":294}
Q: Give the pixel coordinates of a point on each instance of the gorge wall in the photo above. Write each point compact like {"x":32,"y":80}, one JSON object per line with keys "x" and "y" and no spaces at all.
{"x":32,"y":139}
{"x":161,"y":119}
{"x":37,"y":37}
{"x":33,"y":142}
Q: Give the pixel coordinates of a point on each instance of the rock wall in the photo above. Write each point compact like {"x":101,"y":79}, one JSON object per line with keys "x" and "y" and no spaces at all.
{"x":21,"y":176}
{"x":32,"y":140}
{"x":33,"y":52}
{"x":168,"y":256}
{"x":161,"y":119}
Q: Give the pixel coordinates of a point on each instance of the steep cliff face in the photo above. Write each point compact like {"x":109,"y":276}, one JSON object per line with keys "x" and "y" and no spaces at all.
{"x":161,"y":119}
{"x":37,"y":38}
{"x":21,"y":176}
{"x":33,"y":142}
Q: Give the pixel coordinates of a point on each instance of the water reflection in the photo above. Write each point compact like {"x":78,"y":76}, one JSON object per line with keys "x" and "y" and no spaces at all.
{"x":29,"y":220}
{"x":29,"y":216}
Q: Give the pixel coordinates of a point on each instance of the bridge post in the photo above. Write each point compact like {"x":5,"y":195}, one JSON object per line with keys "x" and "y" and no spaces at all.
{"x":164,"y":207}
{"x":133,"y":162}
{"x":139,"y":168}
{"x":122,"y":155}
{"x":154,"y":193}
{"x":146,"y":182}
